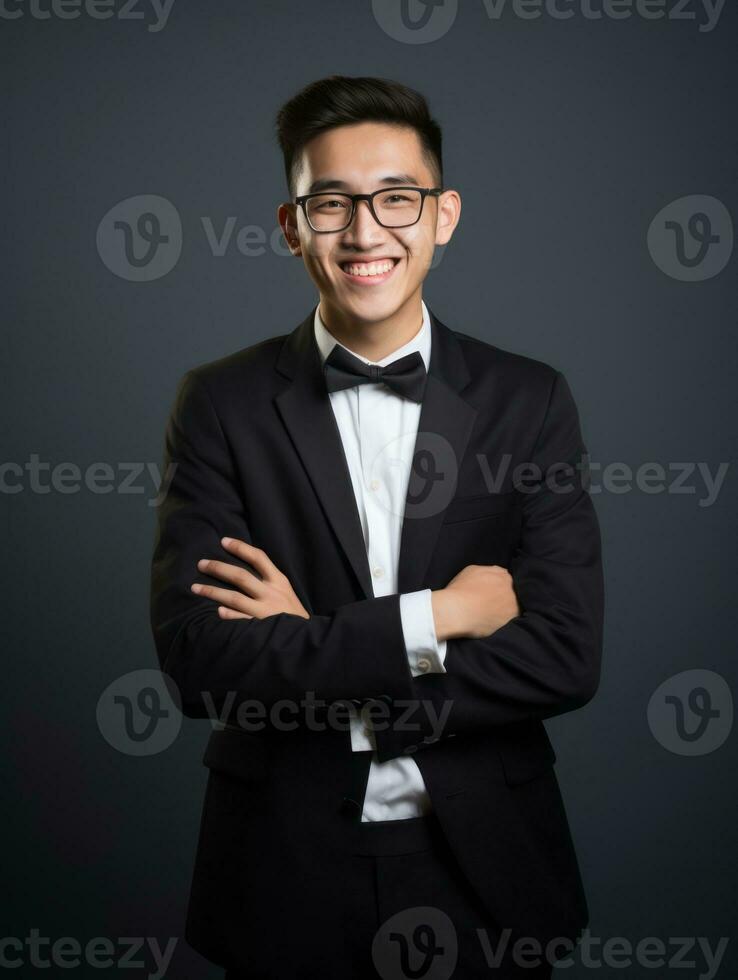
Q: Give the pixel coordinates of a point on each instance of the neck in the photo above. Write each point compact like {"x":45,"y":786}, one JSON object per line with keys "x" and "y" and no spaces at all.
{"x":374,"y":339}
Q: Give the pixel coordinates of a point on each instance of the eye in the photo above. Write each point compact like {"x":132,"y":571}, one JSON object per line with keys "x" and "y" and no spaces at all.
{"x":332,"y":204}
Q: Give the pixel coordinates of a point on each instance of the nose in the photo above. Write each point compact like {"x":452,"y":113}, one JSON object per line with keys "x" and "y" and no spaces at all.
{"x":363,"y":226}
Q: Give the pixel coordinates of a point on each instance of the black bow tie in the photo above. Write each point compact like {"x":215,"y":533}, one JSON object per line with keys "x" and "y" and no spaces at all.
{"x":406,"y":375}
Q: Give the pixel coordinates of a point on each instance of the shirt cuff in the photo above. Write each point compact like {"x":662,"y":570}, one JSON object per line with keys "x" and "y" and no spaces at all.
{"x":424,"y":653}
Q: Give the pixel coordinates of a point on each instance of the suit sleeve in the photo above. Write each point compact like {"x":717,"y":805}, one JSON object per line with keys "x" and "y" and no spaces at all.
{"x":354,"y":654}
{"x":546,"y":661}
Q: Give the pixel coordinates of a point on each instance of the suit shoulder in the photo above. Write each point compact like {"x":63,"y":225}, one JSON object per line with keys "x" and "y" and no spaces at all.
{"x":252,"y":360}
{"x":518,"y":369}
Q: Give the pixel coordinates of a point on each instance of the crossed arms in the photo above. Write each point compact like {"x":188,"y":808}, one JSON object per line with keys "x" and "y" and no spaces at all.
{"x":540,"y":658}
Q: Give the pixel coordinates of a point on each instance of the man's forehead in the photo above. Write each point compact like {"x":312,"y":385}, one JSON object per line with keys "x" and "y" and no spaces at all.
{"x":348,"y":157}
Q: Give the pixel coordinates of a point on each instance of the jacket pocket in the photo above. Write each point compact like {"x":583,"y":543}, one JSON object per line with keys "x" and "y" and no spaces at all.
{"x":524,"y":759}
{"x":236,"y":753}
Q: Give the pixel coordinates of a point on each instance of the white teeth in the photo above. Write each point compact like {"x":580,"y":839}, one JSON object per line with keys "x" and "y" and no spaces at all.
{"x":367,"y":269}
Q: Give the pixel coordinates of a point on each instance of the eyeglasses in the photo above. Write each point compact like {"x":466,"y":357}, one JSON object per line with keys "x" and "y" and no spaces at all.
{"x":396,"y":207}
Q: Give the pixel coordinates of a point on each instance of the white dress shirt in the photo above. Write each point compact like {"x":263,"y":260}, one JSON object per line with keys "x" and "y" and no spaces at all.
{"x":378,"y":429}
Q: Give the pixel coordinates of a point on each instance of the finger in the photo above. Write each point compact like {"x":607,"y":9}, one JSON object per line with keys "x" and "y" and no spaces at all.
{"x":234,"y":600}
{"x":225,"y":613}
{"x":256,"y":557}
{"x":245,"y":580}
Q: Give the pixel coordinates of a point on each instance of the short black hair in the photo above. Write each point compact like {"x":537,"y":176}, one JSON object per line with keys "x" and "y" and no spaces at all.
{"x":339,"y":100}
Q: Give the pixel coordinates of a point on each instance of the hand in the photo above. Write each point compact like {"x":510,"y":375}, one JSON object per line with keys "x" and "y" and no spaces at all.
{"x":257,"y":597}
{"x":475,"y":603}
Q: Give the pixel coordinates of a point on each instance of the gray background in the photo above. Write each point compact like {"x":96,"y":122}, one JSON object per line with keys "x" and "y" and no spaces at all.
{"x":564,"y":139}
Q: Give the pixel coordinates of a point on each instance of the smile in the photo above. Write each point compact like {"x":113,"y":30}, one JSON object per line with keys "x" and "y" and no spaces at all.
{"x":370,"y":273}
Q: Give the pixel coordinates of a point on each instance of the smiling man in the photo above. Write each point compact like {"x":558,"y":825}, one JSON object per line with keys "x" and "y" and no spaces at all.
{"x":351,"y":576}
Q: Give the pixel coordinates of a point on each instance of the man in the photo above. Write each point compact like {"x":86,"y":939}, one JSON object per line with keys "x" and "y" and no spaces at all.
{"x":378,"y":564}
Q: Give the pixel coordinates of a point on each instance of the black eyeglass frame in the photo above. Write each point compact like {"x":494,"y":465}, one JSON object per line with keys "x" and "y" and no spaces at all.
{"x":369,"y":198}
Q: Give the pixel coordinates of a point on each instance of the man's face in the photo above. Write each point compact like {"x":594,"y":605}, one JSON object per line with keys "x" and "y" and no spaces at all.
{"x":359,"y":159}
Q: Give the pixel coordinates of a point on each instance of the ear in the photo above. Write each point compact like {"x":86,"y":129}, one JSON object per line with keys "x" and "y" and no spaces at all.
{"x":287,"y":218}
{"x":449,"y":213}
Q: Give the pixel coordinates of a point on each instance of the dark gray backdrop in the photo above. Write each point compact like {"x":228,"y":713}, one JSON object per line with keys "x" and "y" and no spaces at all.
{"x":565,"y":138}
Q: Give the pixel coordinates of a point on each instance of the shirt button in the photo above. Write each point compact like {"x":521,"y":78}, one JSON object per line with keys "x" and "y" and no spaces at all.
{"x":423,"y":664}
{"x":378,"y":572}
{"x":374,"y":485}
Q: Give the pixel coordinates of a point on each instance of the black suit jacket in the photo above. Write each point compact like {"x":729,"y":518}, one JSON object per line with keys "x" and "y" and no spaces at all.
{"x":259,"y":457}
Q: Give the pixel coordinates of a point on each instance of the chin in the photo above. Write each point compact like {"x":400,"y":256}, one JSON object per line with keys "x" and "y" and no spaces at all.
{"x":371,"y":308}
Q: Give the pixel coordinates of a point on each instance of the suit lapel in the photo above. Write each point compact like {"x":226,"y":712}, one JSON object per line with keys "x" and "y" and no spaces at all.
{"x":444,"y":427}
{"x":307,"y":414}
{"x":445,"y":424}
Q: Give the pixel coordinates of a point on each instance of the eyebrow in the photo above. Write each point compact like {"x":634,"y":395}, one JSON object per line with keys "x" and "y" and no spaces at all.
{"x":332,"y":183}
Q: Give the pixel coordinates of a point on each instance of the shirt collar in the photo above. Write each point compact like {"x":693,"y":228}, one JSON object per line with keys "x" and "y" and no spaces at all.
{"x":420,"y":342}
